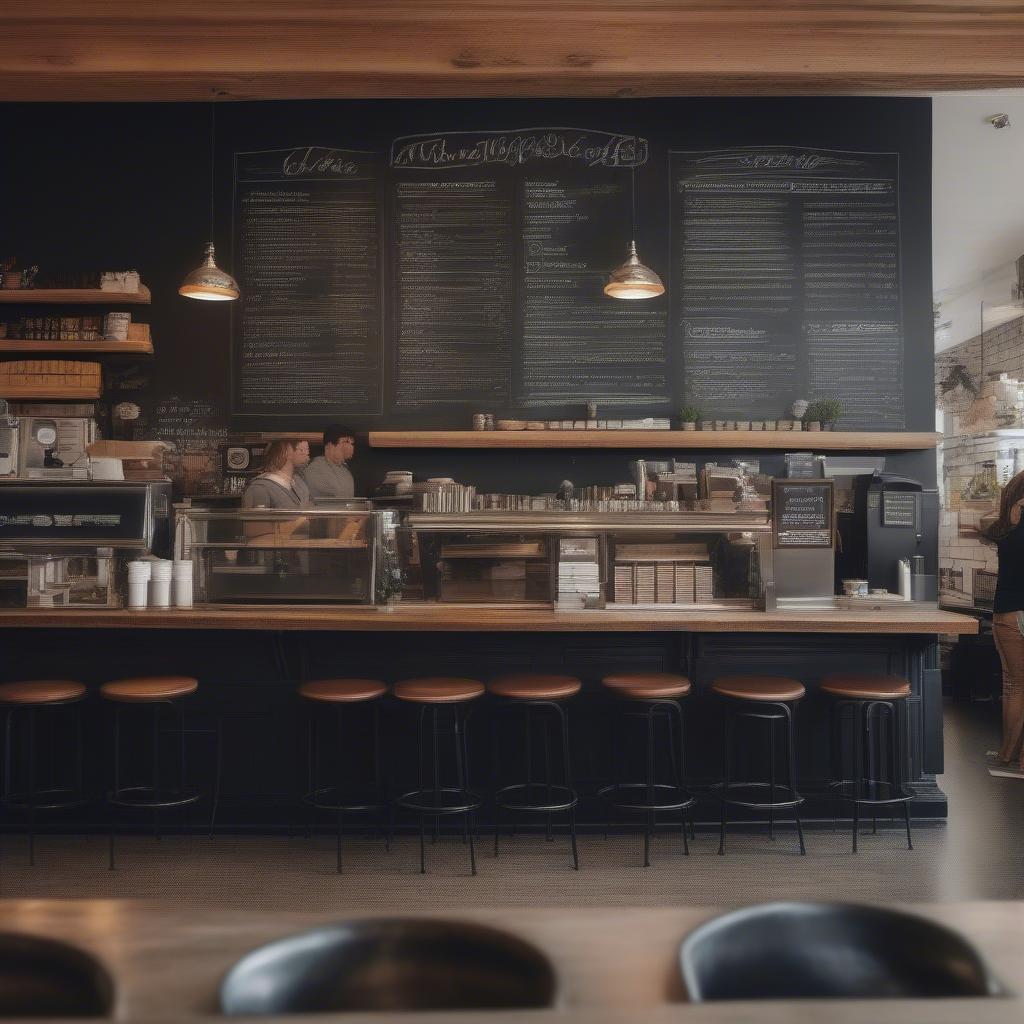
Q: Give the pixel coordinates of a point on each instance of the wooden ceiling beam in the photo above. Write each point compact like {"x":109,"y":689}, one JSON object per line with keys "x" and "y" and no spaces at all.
{"x":259,"y":49}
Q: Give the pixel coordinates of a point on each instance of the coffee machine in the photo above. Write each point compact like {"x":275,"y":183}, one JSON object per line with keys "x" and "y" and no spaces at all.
{"x":63,"y":543}
{"x":893,"y":518}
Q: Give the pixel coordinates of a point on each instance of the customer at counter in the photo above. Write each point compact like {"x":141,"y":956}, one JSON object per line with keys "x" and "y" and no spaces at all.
{"x":328,"y":476}
{"x":280,"y":485}
{"x":1007,"y":533}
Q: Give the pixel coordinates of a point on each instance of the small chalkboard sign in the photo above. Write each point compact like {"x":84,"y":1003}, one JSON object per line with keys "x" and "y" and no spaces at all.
{"x":802,"y":513}
{"x":899,"y":508}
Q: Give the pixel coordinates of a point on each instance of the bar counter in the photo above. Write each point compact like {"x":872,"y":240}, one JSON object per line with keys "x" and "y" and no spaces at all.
{"x":413,"y":617}
{"x":167,"y":961}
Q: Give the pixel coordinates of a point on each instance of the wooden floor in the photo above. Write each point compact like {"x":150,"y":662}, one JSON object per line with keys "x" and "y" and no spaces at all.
{"x":975,"y":856}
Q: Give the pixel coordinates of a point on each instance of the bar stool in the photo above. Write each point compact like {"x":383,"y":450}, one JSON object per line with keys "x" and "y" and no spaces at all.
{"x":153,"y":693}
{"x":343,"y":695}
{"x":867,"y":694}
{"x":540,"y":698}
{"x":48,"y":697}
{"x":650,"y":696}
{"x":768,"y":699}
{"x":436,"y":693}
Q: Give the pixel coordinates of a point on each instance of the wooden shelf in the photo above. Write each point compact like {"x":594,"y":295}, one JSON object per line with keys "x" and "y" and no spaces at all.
{"x":748,"y":440}
{"x":32,"y":393}
{"x":77,"y":296}
{"x":139,"y":343}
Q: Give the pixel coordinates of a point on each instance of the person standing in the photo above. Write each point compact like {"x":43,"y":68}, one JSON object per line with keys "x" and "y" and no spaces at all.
{"x":328,"y":475}
{"x":1007,"y":534}
{"x":280,"y":485}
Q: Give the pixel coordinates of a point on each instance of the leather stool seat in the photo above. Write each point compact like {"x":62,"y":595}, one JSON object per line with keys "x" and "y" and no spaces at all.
{"x":774,"y":689}
{"x":41,"y":691}
{"x":534,"y":686}
{"x":343,"y":691}
{"x":865,"y":686}
{"x":646,"y":685}
{"x":438,"y":689}
{"x":143,"y":689}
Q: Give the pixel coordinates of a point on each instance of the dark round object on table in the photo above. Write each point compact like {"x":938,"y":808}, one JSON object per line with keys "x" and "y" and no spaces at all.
{"x":829,"y":951}
{"x":393,"y":964}
{"x":46,"y":978}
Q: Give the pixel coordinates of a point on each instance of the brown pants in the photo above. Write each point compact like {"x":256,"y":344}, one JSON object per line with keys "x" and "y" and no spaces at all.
{"x":1010,"y":645}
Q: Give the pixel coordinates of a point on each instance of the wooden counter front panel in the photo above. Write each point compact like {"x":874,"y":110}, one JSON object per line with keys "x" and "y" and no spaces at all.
{"x":250,"y":678}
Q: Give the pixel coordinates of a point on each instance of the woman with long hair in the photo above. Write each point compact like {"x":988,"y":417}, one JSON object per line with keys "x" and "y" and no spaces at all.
{"x":1007,"y":533}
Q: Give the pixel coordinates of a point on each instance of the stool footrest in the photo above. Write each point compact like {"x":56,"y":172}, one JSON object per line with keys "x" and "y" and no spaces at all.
{"x":553,"y":798}
{"x":722,"y":792}
{"x":847,"y":789}
{"x":428,"y":801}
{"x":328,"y":798}
{"x":148,"y":797}
{"x":56,"y":800}
{"x":616,"y":796}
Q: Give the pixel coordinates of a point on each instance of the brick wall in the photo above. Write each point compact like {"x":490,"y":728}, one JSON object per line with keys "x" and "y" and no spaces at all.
{"x":961,"y":455}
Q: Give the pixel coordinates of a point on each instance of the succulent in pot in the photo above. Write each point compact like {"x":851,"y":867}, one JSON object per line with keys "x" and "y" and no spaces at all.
{"x":689,"y":415}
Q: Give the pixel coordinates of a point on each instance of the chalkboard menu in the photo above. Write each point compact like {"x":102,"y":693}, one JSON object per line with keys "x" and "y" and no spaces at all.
{"x":503,"y":241}
{"x":307,"y":331}
{"x":415,"y":278}
{"x":802,"y":513}
{"x":786,"y":281}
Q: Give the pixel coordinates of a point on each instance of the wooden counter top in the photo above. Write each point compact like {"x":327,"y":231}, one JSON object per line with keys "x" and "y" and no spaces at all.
{"x":415,"y":616}
{"x":613,"y":965}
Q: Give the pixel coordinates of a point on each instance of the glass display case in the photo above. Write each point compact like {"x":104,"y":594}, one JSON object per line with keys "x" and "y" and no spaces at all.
{"x":243,"y":556}
{"x":590,"y":560}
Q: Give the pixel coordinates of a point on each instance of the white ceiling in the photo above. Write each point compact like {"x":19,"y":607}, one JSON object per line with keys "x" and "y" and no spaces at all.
{"x":977,"y":206}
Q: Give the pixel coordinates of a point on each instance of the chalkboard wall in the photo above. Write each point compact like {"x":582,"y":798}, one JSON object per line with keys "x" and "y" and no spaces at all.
{"x":526,"y":230}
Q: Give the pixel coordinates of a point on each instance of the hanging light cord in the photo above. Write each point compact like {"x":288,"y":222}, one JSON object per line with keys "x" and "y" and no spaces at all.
{"x":213,"y":151}
{"x":632,"y":188}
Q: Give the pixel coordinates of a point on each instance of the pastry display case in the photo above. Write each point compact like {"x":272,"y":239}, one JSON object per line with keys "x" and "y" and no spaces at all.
{"x":264,"y":555}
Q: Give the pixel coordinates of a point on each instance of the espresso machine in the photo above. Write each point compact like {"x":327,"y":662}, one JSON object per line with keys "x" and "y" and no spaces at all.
{"x":893,"y":518}
{"x":63,"y":543}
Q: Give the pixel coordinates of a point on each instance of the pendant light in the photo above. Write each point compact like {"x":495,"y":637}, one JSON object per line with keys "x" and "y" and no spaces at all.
{"x":208,"y":281}
{"x":632,"y":280}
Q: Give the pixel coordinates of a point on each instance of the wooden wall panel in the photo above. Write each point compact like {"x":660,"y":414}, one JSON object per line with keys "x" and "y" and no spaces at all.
{"x":265,"y":49}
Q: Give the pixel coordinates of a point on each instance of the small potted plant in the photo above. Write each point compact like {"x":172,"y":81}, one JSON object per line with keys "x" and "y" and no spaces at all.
{"x":812,"y":416}
{"x":830,"y":410}
{"x":689,"y":416}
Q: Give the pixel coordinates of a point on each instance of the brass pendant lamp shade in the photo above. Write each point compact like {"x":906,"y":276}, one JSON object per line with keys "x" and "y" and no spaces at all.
{"x":632,"y":280}
{"x":209,"y":282}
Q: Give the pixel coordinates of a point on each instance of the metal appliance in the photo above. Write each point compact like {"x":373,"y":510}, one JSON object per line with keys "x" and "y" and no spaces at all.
{"x":893,"y":517}
{"x":63,"y":543}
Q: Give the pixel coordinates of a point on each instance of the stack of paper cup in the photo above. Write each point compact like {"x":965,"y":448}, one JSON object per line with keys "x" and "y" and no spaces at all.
{"x":160,"y":584}
{"x":182,"y":583}
{"x":138,"y":583}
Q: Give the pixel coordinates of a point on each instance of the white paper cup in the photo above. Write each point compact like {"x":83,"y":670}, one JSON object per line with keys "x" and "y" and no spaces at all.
{"x":183,"y":592}
{"x":137,"y":592}
{"x":140,"y":570}
{"x":160,"y":593}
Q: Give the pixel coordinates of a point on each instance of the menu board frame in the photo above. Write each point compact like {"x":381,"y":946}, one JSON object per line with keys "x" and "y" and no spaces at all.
{"x":781,"y":484}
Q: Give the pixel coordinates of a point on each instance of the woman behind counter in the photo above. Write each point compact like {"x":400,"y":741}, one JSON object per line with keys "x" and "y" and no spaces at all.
{"x":279,"y":485}
{"x":1007,"y":534}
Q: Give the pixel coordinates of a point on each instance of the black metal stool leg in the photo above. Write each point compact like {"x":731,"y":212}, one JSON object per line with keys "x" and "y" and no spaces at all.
{"x":650,"y":786}
{"x":771,"y":779}
{"x":727,"y":727}
{"x":858,"y":767}
{"x":791,"y":772}
{"x":218,"y":771}
{"x":31,"y":787}
{"x":567,"y":774}
{"x":117,"y":783}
